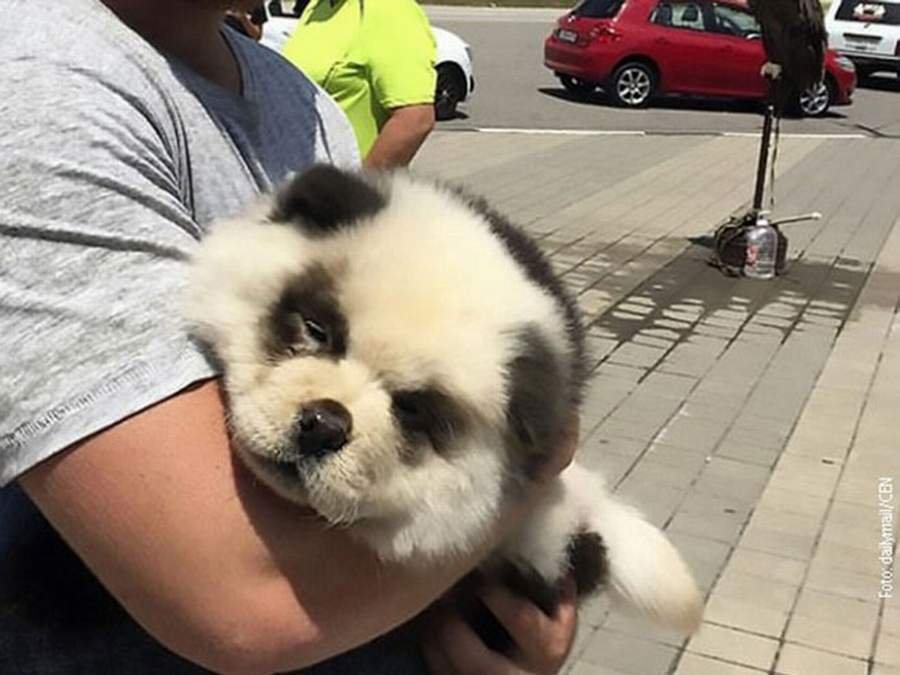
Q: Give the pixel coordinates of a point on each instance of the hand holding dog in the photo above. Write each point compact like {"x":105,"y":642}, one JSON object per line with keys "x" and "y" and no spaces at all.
{"x":542,"y":642}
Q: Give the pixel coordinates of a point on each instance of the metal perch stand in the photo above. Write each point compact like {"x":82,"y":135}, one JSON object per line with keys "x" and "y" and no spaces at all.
{"x":750,"y":244}
{"x":762,"y":170}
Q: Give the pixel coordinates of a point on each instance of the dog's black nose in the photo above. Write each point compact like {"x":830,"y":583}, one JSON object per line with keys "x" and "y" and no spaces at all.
{"x":322,"y":427}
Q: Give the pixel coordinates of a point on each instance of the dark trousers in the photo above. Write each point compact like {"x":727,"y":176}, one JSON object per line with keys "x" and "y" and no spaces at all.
{"x":57,"y":619}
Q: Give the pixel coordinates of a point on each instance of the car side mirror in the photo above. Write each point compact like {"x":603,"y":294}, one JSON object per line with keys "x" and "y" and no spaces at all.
{"x":276,"y":8}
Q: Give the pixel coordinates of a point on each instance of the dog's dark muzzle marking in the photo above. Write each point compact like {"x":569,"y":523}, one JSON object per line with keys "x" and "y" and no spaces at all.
{"x":322,"y":427}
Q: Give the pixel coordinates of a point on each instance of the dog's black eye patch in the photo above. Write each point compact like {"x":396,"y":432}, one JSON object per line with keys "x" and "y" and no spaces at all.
{"x":429,"y":412}
{"x":324,"y":198}
{"x":306,"y":316}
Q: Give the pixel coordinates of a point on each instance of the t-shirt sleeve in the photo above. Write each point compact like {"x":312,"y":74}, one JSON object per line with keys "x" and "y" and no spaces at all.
{"x":95,"y":237}
{"x":402,"y":53}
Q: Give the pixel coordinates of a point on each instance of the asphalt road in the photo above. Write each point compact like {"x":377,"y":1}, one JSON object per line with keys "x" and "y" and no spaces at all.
{"x":515,"y":90}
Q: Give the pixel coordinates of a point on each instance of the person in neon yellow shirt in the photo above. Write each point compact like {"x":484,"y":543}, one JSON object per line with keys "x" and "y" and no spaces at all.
{"x":376,"y":59}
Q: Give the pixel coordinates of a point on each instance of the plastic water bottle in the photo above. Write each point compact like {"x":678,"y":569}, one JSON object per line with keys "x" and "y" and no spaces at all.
{"x":762,"y":249}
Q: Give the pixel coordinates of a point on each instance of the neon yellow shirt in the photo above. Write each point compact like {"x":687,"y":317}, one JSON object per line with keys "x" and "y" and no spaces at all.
{"x":370,"y":55}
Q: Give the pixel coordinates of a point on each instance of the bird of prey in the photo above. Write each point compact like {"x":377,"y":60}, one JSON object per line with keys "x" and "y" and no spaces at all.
{"x":794,"y":37}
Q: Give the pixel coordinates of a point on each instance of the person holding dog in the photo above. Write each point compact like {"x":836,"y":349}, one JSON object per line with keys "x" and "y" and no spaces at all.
{"x":131,"y":540}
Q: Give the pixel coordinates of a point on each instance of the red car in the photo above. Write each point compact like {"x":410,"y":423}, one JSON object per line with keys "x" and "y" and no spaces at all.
{"x":637,"y":49}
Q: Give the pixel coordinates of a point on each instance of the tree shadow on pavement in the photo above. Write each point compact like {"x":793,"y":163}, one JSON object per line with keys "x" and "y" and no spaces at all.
{"x":688,"y":300}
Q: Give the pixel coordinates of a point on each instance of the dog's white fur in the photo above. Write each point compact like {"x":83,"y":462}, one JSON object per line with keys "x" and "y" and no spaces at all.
{"x":430,"y":296}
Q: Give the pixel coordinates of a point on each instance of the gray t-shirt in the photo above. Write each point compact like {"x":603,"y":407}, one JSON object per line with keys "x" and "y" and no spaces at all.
{"x":113,"y":162}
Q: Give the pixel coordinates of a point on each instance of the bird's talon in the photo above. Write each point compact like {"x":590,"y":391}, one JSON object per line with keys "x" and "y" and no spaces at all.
{"x":770,"y":70}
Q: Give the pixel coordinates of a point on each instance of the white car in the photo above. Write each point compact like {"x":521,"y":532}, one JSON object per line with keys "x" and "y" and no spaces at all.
{"x":455,"y":80}
{"x":867,"y":32}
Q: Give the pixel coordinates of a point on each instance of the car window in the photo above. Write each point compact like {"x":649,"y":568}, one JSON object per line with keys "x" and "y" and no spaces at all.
{"x":679,"y":15}
{"x":598,"y":9}
{"x":869,"y":12}
{"x":732,"y":20}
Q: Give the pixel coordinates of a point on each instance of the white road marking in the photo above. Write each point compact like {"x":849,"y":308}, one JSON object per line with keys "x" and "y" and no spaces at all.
{"x":493,"y":14}
{"x":638,"y":132}
{"x":559,"y":132}
{"x":823,"y":137}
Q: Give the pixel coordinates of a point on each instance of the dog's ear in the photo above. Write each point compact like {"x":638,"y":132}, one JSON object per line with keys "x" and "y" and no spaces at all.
{"x":324,"y":198}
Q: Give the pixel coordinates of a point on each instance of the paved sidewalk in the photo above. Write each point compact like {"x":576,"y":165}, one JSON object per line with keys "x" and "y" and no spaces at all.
{"x":753,"y":420}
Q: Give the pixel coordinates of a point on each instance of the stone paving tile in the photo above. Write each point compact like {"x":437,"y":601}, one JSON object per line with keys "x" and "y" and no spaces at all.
{"x":658,"y":502}
{"x":778,"y":532}
{"x":690,"y":461}
{"x":627,"y":428}
{"x":735,"y":646}
{"x":715,"y":517}
{"x":613,"y":467}
{"x":748,"y":451}
{"x":640,"y":356}
{"x":667,"y":385}
{"x":757,"y":590}
{"x":768,"y":565}
{"x":584,"y":668}
{"x":746,"y":616}
{"x":888,"y":650}
{"x":648,"y":409}
{"x":747,"y":418}
{"x":628,"y":623}
{"x":849,"y":612}
{"x":729,"y":478}
{"x":598,"y":444}
{"x":695,"y":664}
{"x":799,"y":660}
{"x":705,"y":556}
{"x":665,"y":475}
{"x":628,"y":654}
{"x":829,"y":635}
{"x":881,"y":669}
{"x":693,"y":434}
{"x":890,"y":620}
{"x":594,"y":612}
{"x":848,"y":558}
{"x":789,"y":502}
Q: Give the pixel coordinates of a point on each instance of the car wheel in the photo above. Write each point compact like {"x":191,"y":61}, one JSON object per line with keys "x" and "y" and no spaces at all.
{"x":577,"y":86}
{"x":633,"y":85}
{"x":450,"y":90}
{"x":816,"y":101}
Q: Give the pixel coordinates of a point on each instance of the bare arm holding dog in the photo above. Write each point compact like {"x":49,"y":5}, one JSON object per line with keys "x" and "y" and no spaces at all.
{"x":211,"y":563}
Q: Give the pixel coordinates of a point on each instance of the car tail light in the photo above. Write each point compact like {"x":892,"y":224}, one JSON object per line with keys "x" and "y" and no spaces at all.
{"x":603,"y":34}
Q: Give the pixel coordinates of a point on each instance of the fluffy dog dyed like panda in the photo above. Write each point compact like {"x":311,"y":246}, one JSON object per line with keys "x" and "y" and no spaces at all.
{"x":401,"y":359}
